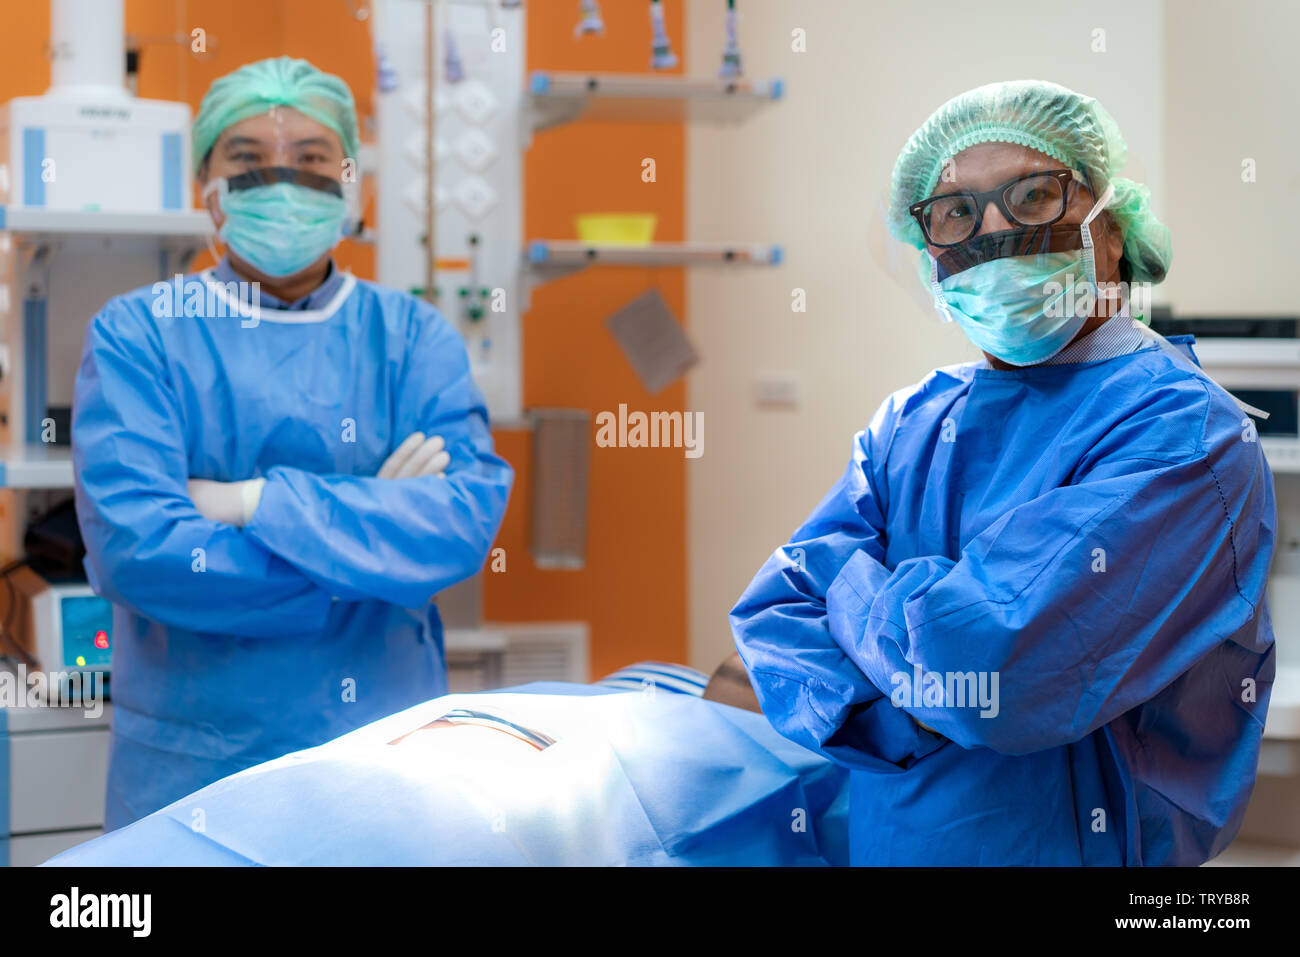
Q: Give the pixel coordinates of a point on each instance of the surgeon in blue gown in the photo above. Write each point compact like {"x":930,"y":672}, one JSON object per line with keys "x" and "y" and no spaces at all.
{"x":273,"y":481}
{"x":1030,"y":616}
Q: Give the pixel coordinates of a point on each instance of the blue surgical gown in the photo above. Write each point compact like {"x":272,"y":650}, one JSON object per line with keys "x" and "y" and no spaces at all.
{"x":1097,"y":537}
{"x":234,"y":646}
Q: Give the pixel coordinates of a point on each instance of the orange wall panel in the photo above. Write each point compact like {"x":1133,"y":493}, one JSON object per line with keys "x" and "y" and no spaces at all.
{"x":633,"y":589}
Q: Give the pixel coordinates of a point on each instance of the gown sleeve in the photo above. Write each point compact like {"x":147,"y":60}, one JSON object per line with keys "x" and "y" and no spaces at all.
{"x":398,"y":540}
{"x":809,"y":687}
{"x":1087,"y":600}
{"x":147,"y":547}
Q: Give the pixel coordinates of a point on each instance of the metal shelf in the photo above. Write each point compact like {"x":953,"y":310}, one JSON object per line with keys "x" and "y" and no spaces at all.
{"x":557,"y":98}
{"x":1216,"y":351}
{"x":35,"y":466}
{"x":188,"y":224}
{"x":1283,"y":455}
{"x":549,"y":259}
{"x":1284,"y":705}
{"x":473,"y":640}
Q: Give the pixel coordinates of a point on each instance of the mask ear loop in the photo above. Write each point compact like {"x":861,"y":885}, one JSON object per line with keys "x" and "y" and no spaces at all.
{"x":220,"y":186}
{"x":1085,"y":234}
{"x":940,"y":301}
{"x":1090,"y":250}
{"x":354,"y":220}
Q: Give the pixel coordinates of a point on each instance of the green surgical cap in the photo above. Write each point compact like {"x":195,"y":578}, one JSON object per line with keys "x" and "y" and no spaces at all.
{"x":1069,"y":127}
{"x":255,"y":88}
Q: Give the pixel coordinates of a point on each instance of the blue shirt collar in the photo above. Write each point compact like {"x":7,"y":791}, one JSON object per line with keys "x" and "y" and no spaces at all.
{"x":318,"y":298}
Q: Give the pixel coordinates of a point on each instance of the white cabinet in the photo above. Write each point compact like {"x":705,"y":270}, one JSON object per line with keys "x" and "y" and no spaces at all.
{"x":53,"y":769}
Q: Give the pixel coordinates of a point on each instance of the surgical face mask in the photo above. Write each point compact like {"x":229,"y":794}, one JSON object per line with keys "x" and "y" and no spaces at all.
{"x":1023,"y":309}
{"x":279,"y":220}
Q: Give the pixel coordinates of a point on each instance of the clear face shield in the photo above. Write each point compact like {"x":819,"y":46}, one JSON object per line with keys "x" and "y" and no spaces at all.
{"x":281,"y":191}
{"x":270,"y":175}
{"x":1044,"y":218}
{"x":1018,"y":253}
{"x":1014,"y":263}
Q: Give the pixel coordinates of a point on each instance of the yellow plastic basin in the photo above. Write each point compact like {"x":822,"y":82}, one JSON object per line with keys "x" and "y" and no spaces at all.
{"x":624,"y":229}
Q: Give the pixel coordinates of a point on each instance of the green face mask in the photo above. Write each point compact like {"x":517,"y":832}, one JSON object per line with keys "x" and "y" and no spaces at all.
{"x":1023,"y":309}
{"x":279,"y":228}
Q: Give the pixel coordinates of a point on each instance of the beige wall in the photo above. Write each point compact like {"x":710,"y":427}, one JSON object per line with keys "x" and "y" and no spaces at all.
{"x":1232,"y":78}
{"x":806,"y":174}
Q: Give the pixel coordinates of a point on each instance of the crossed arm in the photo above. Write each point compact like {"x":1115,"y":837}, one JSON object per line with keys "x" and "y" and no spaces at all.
{"x":153,"y":544}
{"x":828,"y":631}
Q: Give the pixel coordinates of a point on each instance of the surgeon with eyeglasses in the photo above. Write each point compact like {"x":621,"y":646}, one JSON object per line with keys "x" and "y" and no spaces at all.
{"x":273,"y":486}
{"x":1030,"y":617}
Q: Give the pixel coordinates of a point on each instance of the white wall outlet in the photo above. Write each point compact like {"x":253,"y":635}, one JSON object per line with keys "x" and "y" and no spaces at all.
{"x":777,"y":390}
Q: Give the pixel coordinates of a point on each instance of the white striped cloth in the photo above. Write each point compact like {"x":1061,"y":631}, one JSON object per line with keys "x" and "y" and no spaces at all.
{"x":1117,"y":336}
{"x":676,"y":678}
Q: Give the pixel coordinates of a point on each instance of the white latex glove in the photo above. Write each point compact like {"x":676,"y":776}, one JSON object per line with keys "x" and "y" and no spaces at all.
{"x":415,"y":458}
{"x":232,"y":503}
{"x":926,"y":726}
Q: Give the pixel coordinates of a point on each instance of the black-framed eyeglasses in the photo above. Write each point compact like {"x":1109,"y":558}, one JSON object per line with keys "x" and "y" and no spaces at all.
{"x":1035,"y":199}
